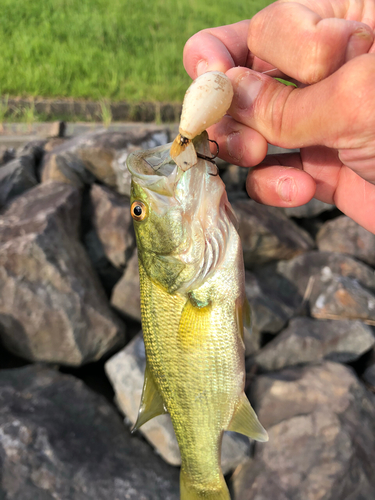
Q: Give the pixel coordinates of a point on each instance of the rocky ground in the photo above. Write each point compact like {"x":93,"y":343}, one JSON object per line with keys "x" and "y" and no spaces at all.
{"x":72,"y":354}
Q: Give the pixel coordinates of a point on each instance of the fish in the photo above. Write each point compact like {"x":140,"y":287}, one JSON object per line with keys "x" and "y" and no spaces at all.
{"x":194,"y":311}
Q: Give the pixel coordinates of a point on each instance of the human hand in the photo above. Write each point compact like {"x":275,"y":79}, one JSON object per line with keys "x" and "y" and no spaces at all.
{"x":327,"y":46}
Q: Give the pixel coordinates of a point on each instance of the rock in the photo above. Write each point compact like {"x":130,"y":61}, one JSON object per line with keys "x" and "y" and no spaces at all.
{"x":234,"y":178}
{"x":97,"y":155}
{"x":52,"y":307}
{"x":126,"y":296}
{"x":54,"y":142}
{"x":368,"y":374}
{"x":311,"y":209}
{"x":291,"y":280}
{"x":126,"y":372}
{"x":113,"y":224}
{"x":16,"y":177}
{"x":6,"y":154}
{"x":306,"y":340}
{"x":342,"y":297}
{"x":107,"y":273}
{"x":268,"y":313}
{"x":60,"y":440}
{"x":369,"y":377}
{"x":268,"y":235}
{"x":57,"y":129}
{"x":321,"y":424}
{"x":346,"y":236}
{"x":66,"y":168}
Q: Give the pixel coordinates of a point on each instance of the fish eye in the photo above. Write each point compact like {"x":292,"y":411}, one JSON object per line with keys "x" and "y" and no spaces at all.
{"x":139,"y":210}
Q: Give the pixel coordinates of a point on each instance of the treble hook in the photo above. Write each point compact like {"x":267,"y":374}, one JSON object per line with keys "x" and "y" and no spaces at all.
{"x":211,"y":158}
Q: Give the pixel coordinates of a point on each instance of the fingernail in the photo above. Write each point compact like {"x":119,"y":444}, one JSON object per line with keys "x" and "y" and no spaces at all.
{"x":201,"y":67}
{"x":246,"y":90}
{"x":234,"y":146}
{"x":359,"y":43}
{"x":286,"y":189}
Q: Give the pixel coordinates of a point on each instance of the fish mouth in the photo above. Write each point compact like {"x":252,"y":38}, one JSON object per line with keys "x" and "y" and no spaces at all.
{"x":155,"y":169}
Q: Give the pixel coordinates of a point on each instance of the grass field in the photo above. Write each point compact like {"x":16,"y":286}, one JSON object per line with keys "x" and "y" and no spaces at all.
{"x":105,"y":49}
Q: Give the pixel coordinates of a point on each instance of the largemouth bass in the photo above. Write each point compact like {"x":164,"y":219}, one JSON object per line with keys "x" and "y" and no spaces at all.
{"x":193,"y":309}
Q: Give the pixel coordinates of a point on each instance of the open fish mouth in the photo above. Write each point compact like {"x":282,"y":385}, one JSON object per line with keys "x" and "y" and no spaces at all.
{"x":155,"y":170}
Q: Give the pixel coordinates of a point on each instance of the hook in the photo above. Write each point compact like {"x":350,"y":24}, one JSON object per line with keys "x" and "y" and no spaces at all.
{"x":210,"y":158}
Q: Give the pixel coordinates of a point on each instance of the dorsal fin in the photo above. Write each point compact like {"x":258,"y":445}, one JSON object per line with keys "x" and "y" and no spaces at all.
{"x":246,"y":422}
{"x":151,"y":402}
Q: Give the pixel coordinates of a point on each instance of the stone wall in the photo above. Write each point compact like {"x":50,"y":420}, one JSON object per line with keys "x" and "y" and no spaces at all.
{"x":74,"y":109}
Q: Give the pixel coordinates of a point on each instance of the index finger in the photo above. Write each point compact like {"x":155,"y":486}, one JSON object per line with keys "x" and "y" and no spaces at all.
{"x":219,"y":49}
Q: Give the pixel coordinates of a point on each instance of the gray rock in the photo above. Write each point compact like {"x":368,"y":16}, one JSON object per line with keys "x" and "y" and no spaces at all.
{"x":268,"y":313}
{"x":346,"y":236}
{"x":369,"y":373}
{"x":113,"y":224}
{"x":60,"y":440}
{"x":16,"y":177}
{"x":126,"y":295}
{"x":306,"y":340}
{"x":341,"y":297}
{"x":268,"y":235}
{"x":6,"y":154}
{"x":321,"y":424}
{"x":234,"y":178}
{"x":107,"y":273}
{"x":369,"y":377}
{"x":311,"y":209}
{"x":97,"y":155}
{"x":52,"y":307}
{"x":126,"y":372}
{"x":292,"y":280}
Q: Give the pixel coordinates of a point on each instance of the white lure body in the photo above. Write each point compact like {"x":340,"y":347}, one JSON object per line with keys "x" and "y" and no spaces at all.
{"x":206,"y":101}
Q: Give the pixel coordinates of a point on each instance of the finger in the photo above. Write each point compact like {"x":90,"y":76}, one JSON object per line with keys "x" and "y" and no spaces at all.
{"x":291,"y":180}
{"x":280,"y":181}
{"x":315,"y":44}
{"x":217,"y":49}
{"x":340,"y":185}
{"x":329,"y":113}
{"x":237,"y":143}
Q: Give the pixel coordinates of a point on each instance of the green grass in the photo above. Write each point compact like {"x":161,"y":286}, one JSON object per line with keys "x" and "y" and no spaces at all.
{"x":105,"y":49}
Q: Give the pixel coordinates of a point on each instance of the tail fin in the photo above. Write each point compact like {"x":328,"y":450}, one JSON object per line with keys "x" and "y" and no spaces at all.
{"x":188,"y":491}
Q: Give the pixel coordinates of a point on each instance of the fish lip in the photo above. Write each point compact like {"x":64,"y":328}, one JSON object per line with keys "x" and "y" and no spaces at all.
{"x":143,"y":164}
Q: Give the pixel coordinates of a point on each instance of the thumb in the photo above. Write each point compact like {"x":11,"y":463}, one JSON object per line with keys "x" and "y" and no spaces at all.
{"x":329,"y":113}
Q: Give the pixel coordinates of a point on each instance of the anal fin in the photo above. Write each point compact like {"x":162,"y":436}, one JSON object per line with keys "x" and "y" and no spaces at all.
{"x":246,"y":422}
{"x":151,"y":402}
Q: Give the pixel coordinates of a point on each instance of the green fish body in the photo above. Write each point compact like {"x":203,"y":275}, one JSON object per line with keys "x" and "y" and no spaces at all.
{"x":193,"y":309}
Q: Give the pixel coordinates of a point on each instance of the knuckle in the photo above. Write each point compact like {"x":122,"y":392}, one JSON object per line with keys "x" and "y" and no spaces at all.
{"x":318,"y":61}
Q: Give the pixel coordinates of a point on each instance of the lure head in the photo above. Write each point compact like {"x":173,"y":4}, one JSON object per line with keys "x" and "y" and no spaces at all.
{"x":175,"y":213}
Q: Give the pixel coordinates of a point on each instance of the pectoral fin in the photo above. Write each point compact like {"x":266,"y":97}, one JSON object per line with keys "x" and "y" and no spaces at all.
{"x":243,"y":313}
{"x":246,"y":422}
{"x":151,"y":402}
